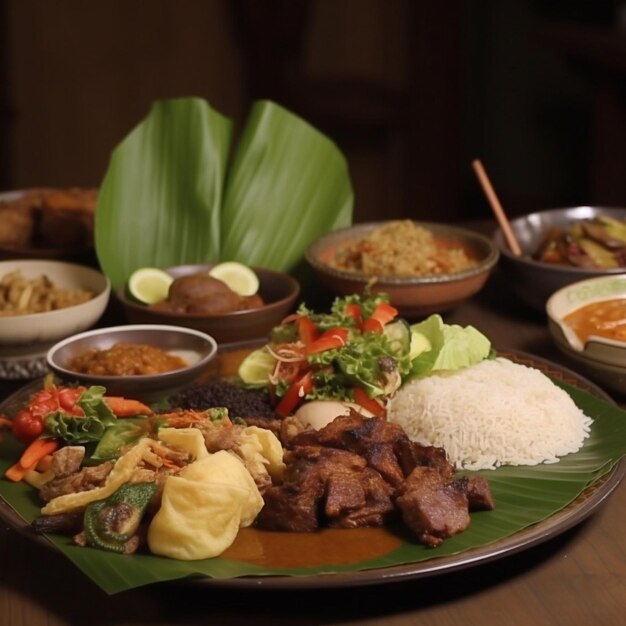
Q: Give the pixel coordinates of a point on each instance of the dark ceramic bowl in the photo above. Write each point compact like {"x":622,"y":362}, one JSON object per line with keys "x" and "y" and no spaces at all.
{"x":413,"y":296}
{"x":278,"y":290}
{"x":197,"y":349}
{"x":533,"y":282}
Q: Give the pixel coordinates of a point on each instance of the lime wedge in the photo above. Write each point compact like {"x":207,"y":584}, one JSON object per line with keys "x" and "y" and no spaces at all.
{"x":256,"y":367}
{"x":240,"y":278}
{"x":149,"y":284}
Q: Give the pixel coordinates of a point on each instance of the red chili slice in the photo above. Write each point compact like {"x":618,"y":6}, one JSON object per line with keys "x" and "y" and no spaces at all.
{"x":330,"y":339}
{"x":295,"y":394}
{"x":307,"y":330}
{"x":362,"y":398}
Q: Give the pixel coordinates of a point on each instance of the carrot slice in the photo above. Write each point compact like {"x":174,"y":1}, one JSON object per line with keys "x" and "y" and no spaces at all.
{"x":36,"y":450}
{"x":16,"y":472}
{"x":124,"y":407}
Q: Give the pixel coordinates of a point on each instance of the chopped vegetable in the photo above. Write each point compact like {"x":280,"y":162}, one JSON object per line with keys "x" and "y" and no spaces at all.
{"x":111,"y":523}
{"x":295,"y":394}
{"x":371,"y":404}
{"x":34,"y":452}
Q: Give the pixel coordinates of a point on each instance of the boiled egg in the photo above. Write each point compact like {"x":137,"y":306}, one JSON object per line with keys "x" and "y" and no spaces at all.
{"x":318,"y":413}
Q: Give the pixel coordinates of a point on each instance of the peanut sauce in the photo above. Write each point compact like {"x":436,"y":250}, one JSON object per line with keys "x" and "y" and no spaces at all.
{"x":602,"y":319}
{"x":126,"y":359}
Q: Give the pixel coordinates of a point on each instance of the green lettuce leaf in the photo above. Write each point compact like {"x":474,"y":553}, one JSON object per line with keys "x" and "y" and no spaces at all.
{"x":78,"y":429}
{"x":439,"y":346}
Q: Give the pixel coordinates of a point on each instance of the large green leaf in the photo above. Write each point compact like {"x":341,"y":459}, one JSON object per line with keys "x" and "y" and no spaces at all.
{"x":170,"y":197}
{"x":524,"y":496}
{"x":287,"y":186}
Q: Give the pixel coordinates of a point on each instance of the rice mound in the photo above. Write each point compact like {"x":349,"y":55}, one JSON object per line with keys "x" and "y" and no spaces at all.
{"x":494,"y":413}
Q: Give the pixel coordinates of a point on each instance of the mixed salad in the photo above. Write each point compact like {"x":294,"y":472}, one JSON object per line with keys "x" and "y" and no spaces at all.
{"x":360,"y":352}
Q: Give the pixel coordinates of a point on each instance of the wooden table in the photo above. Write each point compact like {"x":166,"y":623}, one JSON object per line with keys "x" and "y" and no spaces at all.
{"x":575,"y":579}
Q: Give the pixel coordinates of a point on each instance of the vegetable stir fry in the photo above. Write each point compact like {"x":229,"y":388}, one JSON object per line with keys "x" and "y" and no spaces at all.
{"x":596,"y":243}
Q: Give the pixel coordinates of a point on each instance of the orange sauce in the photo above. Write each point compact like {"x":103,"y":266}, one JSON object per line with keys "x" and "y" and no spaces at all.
{"x":603,"y":319}
{"x":324,"y":547}
{"x":126,"y":359}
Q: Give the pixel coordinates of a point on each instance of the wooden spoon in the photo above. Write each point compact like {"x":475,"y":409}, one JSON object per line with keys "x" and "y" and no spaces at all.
{"x":496,"y":207}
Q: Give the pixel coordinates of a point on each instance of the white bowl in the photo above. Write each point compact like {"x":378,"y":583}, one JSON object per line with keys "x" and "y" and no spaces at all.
{"x":601,"y":358}
{"x":39,"y":328}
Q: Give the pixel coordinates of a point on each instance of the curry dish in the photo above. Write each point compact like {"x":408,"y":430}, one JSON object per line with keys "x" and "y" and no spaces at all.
{"x":603,"y":319}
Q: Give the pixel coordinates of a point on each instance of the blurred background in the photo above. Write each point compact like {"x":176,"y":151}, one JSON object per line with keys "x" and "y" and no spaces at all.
{"x":411,"y":90}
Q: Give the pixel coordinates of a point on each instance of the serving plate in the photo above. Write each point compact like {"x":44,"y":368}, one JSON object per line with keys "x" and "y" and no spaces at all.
{"x":352,"y":558}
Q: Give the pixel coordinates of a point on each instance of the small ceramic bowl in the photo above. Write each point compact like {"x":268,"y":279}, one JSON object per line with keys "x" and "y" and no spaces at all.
{"x":278,"y":290}
{"x":48,"y":327}
{"x":601,"y":358}
{"x":413,"y":296}
{"x":197,"y":349}
{"x":533,"y":282}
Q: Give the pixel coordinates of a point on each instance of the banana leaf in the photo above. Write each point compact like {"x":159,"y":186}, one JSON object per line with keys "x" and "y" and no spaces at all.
{"x":171,"y":195}
{"x":525,"y":496}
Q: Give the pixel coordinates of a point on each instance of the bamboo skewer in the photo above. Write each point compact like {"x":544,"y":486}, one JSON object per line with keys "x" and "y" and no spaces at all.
{"x":496,"y":207}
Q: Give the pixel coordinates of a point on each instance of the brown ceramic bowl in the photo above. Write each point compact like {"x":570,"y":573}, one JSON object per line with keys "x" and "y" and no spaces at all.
{"x":413,"y":296}
{"x":278,"y":290}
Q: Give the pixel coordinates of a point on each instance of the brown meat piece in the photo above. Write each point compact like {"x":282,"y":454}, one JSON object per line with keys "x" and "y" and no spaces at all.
{"x":478,"y":493}
{"x":67,"y":460}
{"x":84,"y":480}
{"x":431,"y":507}
{"x":384,"y":445}
{"x":326,"y":487}
{"x":373,"y":438}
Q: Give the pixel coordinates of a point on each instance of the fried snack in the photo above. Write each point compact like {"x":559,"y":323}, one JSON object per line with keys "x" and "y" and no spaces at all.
{"x":17,"y":222}
{"x":24,"y":296}
{"x":67,"y":217}
{"x":203,"y":508}
{"x":49,"y":218}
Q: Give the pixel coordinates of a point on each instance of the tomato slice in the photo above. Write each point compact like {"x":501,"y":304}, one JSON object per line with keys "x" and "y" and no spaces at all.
{"x":354,"y":311}
{"x":330,"y":339}
{"x":307,"y":330}
{"x":384,"y":313}
{"x":27,"y":426}
{"x":371,"y":325}
{"x":295,"y":394}
{"x":362,"y":398}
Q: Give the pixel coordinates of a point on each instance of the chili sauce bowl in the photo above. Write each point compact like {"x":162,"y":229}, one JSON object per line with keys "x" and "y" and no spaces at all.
{"x":195,"y":348}
{"x":413,"y":296}
{"x":601,"y":358}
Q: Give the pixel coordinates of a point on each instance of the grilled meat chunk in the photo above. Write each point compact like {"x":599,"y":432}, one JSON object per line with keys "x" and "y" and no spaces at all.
{"x":84,"y":480}
{"x":433,"y":508}
{"x":479,"y":496}
{"x":326,"y":487}
{"x":67,"y":460}
{"x":359,"y":471}
{"x":384,"y":445}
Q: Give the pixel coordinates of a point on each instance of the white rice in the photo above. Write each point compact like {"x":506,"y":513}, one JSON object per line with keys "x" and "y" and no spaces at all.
{"x":491,"y":414}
